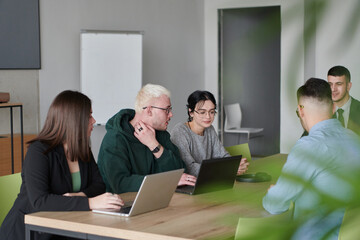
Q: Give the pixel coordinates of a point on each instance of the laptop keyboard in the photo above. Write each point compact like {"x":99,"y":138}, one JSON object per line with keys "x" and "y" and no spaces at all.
{"x":185,"y":189}
{"x":127,"y":207}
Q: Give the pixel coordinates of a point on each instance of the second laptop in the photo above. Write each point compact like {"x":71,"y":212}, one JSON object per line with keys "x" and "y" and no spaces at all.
{"x":214,"y":175}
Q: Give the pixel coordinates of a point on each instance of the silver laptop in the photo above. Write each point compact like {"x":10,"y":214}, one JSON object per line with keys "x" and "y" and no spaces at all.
{"x":214,"y":175}
{"x":155,"y":192}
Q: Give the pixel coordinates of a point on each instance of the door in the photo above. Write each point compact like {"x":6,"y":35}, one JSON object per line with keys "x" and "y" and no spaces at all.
{"x":249,"y":49}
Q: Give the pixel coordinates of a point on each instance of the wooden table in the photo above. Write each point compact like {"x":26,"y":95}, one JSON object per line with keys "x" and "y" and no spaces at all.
{"x":212,"y":215}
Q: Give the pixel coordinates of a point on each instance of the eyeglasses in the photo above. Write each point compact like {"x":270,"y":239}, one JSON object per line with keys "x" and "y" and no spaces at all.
{"x":297,"y":110}
{"x":202,"y":113}
{"x":167,"y":110}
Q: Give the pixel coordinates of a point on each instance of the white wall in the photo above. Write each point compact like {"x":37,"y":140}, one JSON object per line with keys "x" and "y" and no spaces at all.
{"x":173,"y":43}
{"x":292,"y":57}
{"x":337,"y":46}
{"x":180,"y":50}
{"x":23,"y":87}
{"x":173,"y":51}
{"x":172,"y":54}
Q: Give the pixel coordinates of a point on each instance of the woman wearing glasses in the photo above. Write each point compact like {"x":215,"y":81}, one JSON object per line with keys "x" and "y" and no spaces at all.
{"x":197,"y":139}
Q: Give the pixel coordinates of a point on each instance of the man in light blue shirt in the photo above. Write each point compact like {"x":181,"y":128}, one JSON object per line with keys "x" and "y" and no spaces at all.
{"x":319,"y":168}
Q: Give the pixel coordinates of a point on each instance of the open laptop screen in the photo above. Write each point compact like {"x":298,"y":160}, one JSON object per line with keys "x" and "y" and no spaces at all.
{"x":215,"y":174}
{"x":155,"y":192}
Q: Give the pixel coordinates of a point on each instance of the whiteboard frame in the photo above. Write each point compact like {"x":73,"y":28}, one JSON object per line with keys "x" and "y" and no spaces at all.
{"x":100,"y":82}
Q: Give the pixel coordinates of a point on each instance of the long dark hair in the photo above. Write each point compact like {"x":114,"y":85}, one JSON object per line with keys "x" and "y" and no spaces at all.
{"x":198,"y":97}
{"x":67,"y":122}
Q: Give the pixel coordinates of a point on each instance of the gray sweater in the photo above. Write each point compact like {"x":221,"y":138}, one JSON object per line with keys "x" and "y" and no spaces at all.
{"x":195,"y":148}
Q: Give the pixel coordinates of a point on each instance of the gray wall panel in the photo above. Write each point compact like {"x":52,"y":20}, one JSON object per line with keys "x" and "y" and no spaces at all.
{"x":251,"y":72}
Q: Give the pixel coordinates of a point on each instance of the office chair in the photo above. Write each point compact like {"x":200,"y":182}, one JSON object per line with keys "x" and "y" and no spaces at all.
{"x":233,"y":121}
{"x":273,"y":227}
{"x":350,"y":225}
{"x":241,"y":149}
{"x":9,"y":189}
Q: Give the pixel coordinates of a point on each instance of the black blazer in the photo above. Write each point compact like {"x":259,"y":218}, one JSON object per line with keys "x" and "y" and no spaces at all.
{"x":354,"y":116}
{"x":45,"y":178}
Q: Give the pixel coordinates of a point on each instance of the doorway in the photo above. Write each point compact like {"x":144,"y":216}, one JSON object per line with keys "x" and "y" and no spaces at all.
{"x":250,"y":60}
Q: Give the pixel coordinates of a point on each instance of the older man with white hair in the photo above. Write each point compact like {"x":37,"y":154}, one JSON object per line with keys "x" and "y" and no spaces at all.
{"x":137,"y":143}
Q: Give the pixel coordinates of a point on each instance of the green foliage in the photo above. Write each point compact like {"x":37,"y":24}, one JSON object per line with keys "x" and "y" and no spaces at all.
{"x":270,"y":228}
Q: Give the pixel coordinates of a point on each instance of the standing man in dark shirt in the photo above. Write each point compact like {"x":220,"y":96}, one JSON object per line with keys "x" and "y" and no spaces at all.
{"x":347,"y":107}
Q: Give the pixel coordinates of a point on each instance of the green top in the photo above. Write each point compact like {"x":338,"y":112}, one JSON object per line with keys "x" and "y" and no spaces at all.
{"x":76,"y":181}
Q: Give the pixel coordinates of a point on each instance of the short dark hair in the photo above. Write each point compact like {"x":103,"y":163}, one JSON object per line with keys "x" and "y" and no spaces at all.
{"x":195,"y":98}
{"x":316,"y":88}
{"x":339,"y":71}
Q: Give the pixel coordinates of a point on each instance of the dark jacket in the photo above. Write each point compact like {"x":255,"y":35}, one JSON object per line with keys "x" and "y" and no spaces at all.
{"x":45,"y":178}
{"x":124,"y":161}
{"x":354,"y":117}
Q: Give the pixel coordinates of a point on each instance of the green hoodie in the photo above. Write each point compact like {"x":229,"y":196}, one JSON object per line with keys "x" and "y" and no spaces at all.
{"x":124,"y":161}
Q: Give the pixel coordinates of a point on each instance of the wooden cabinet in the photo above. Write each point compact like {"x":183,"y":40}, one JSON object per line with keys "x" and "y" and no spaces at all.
{"x":5,"y":152}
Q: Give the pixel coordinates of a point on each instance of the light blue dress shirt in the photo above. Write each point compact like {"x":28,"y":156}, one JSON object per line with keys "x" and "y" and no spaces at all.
{"x":316,"y":172}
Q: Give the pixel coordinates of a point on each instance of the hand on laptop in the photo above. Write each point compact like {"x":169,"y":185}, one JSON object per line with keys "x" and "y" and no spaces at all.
{"x":243,"y":167}
{"x":187,"y":179}
{"x":106,"y":200}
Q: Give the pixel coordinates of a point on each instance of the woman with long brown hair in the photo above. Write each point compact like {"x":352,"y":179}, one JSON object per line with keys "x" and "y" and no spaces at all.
{"x":59,"y":171}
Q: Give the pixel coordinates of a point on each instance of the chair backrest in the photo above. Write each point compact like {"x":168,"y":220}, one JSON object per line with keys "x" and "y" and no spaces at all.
{"x":241,"y":149}
{"x":9,"y":189}
{"x":273,"y":227}
{"x":350,"y":225}
{"x":232,"y":116}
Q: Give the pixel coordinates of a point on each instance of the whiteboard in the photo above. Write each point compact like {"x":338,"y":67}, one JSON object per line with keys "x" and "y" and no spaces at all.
{"x":111,"y":70}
